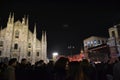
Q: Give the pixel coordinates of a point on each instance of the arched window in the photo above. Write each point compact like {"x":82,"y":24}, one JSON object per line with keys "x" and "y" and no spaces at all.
{"x":1,"y":43}
{"x":113,"y":33}
{"x":29,"y":53}
{"x":15,"y":46}
{"x":37,"y":53}
{"x":16,"y":34}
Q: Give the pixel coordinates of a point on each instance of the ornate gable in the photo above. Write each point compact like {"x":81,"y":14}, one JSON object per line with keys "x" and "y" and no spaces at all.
{"x":18,"y":23}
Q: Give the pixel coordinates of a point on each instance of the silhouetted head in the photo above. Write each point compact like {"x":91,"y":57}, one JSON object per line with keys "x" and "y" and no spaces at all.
{"x":13,"y":62}
{"x":62,"y":63}
{"x":24,"y":61}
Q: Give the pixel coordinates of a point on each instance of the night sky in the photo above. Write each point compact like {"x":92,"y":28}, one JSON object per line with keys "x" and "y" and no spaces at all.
{"x":66,"y":22}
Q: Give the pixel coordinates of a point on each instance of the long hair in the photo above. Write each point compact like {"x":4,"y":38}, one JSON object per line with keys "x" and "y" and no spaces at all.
{"x":61,"y":63}
{"x":81,"y":75}
{"x":76,"y":72}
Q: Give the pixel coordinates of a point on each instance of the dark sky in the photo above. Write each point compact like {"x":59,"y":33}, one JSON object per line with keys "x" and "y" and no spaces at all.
{"x":66,"y":22}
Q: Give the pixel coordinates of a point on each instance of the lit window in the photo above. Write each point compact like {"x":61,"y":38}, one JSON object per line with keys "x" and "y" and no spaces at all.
{"x":37,"y":53}
{"x":16,"y":46}
{"x":95,"y":43}
{"x":28,"y":54}
{"x":91,"y":42}
{"x":16,"y":34}
{"x":88,"y":44}
{"x":1,"y":43}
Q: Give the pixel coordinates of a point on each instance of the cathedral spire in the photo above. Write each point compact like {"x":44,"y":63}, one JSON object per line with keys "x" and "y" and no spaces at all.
{"x":23,"y":20}
{"x":34,"y":42}
{"x":45,"y":37}
{"x":9,"y":19}
{"x":35,"y":28}
{"x":10,"y":15}
{"x":42,"y":36}
{"x":44,"y":46}
{"x":12,"y":18}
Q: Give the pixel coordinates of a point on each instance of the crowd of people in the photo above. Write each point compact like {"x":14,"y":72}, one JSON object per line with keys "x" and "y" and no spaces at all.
{"x":62,"y":69}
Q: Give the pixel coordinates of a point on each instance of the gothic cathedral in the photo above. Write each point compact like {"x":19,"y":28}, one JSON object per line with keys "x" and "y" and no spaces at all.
{"x":17,"y":41}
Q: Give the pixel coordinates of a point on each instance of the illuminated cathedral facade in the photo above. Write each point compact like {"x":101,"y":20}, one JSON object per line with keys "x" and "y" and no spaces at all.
{"x":17,"y":41}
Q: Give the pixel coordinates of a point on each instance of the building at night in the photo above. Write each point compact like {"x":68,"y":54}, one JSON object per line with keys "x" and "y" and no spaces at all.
{"x":94,"y":41}
{"x":114,"y":40}
{"x":17,"y":41}
{"x":99,"y":53}
{"x":96,"y":48}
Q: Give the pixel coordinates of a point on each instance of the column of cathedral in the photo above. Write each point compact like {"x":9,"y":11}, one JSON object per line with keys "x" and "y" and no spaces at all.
{"x":8,"y":36}
{"x":24,"y":42}
{"x":44,"y":46}
{"x":34,"y":45}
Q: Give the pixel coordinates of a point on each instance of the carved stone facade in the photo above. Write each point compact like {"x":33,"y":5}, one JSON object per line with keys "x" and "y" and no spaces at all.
{"x":114,"y":40}
{"x":17,"y":41}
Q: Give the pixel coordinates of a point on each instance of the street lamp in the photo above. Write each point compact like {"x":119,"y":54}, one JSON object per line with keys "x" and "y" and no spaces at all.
{"x":54,"y":55}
